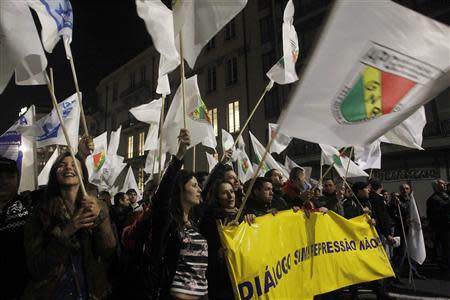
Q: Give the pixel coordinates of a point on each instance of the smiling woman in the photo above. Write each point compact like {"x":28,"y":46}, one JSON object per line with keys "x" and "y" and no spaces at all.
{"x":65,"y":238}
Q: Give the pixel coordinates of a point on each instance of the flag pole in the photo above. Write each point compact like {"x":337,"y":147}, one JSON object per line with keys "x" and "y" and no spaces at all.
{"x":330,"y":167}
{"x":75,"y":81}
{"x":193,"y":158}
{"x":161,"y":125}
{"x":36,"y":173}
{"x":182,"y":79}
{"x":321,"y":171}
{"x":348,"y":164}
{"x":411,"y":279}
{"x":268,"y":88}
{"x":255,"y":175}
{"x":52,"y":80}
{"x":61,"y":121}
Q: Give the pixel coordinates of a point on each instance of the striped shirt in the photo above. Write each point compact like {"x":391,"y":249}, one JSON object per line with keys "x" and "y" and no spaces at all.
{"x":190,"y":275}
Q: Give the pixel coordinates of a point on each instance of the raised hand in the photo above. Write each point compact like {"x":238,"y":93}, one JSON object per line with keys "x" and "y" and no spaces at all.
{"x":184,"y":141}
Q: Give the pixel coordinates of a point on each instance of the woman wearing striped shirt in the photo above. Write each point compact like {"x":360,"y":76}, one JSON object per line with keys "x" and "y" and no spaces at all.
{"x":179,"y":254}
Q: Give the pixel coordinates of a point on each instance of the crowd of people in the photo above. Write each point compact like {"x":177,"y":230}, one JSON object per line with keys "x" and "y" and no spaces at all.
{"x":60,"y":244}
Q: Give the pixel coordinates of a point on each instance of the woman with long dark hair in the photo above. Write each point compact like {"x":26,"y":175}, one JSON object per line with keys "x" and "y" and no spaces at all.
{"x":67,"y":238}
{"x":179,"y":254}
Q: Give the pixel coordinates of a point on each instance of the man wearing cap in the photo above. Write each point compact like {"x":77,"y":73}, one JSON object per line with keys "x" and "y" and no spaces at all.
{"x":14,"y":211}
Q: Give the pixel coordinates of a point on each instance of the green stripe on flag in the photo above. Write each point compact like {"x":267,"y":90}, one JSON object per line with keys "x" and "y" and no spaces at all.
{"x":353,"y":107}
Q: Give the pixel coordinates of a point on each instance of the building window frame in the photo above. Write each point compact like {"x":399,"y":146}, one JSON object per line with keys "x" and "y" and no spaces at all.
{"x":232,"y":71}
{"x":230,"y":30}
{"x":233,"y":117}
{"x":141,"y":143}
{"x":130,"y":146}
{"x":211,"y":79}
{"x":212,"y":113}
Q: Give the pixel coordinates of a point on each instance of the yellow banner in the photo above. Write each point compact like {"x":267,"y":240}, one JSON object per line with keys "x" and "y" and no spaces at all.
{"x":290,"y":256}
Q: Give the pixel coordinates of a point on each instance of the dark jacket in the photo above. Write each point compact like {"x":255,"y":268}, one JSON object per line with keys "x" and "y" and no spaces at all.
{"x":293,"y":196}
{"x":166,"y":237}
{"x":383,"y":219}
{"x":352,"y":208}
{"x":256,"y":208}
{"x":278,"y":201}
{"x":438,"y":211}
{"x":51,"y":255}
{"x":219,"y":284}
{"x":331,"y":202}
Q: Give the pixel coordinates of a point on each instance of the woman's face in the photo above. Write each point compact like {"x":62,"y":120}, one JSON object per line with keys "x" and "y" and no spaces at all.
{"x":192,"y":192}
{"x":66,"y":173}
{"x":226,"y":195}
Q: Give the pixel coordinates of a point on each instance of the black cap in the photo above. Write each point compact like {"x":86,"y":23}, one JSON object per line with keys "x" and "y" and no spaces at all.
{"x":8,"y":165}
{"x":359,"y":185}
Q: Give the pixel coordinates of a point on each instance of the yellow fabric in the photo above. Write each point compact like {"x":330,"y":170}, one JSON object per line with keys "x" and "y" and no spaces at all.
{"x":372,"y":91}
{"x":274,"y":250}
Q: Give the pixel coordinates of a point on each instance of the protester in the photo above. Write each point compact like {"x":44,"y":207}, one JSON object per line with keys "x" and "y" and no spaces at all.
{"x":276,"y":177}
{"x":179,"y":254}
{"x":222,"y":208}
{"x":120,"y":212}
{"x":134,"y":203}
{"x":105,"y":196}
{"x":358,"y":203}
{"x":296,"y":188}
{"x":68,"y":239}
{"x":330,"y":198}
{"x":14,"y":211}
{"x":438,"y":212}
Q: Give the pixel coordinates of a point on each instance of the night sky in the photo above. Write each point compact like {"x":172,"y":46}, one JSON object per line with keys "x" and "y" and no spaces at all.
{"x":106,"y":35}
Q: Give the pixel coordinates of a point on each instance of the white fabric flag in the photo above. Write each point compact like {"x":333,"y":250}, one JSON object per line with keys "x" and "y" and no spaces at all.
{"x":159,"y":23}
{"x":45,"y":172}
{"x":227,"y":144}
{"x":197,"y":119}
{"x":261,"y":171}
{"x":416,"y":243}
{"x":244,"y":166}
{"x":241,"y":143}
{"x":290,"y":164}
{"x":114,"y":141}
{"x":56,"y":18}
{"x":152,"y":140}
{"x":17,"y":145}
{"x":148,"y":113}
{"x":368,"y":156}
{"x":269,"y":161}
{"x":130,"y":183}
{"x":409,"y":132}
{"x":199,"y":21}
{"x":374,"y":66}
{"x":96,"y":161}
{"x":152,"y":161}
{"x":51,"y":132}
{"x":212,"y":161}
{"x":111,"y":170}
{"x":20,"y":48}
{"x":281,"y":142}
{"x":331,"y":155}
{"x":283,"y":72}
{"x":163,"y":87}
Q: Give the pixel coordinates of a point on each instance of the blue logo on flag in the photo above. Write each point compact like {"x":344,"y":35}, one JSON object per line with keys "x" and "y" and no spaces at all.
{"x":51,"y":129}
{"x":61,"y":12}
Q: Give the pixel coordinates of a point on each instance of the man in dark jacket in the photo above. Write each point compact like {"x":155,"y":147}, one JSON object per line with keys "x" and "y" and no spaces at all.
{"x":260,"y":200}
{"x":276,"y":178}
{"x":438,"y":212}
{"x":330,"y":199}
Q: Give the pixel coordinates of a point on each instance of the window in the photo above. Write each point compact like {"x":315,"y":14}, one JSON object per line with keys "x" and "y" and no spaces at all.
{"x":211,"y":79}
{"x":230,"y":30}
{"x":141,"y":180}
{"x":130,"y":147}
{"x":231,"y":71}
{"x":233,"y":117}
{"x":115,"y":92}
{"x":132,"y":79}
{"x":143,"y":73}
{"x":268,"y":60}
{"x":266,"y":29}
{"x":212,"y":113}
{"x":141,"y":143}
{"x":211,"y":44}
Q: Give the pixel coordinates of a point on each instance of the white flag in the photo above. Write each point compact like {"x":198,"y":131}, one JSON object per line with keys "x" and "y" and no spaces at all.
{"x":114,"y":141}
{"x":269,"y":161}
{"x":148,"y":113}
{"x":409,"y":132}
{"x":199,"y":21}
{"x":227,"y":144}
{"x":96,"y":161}
{"x":290,"y":164}
{"x":281,"y":141}
{"x":244,"y":166}
{"x":368,"y":156}
{"x":152,"y":161}
{"x":45,"y":172}
{"x":331,"y":155}
{"x":374,"y":66}
{"x":51,"y":132}
{"x":159,"y":23}
{"x":197,"y":119}
{"x":20,"y":48}
{"x":241,"y":143}
{"x":152,"y":140}
{"x":56,"y":17}
{"x":163,"y":87}
{"x":416,"y":243}
{"x":261,"y":172}
{"x":212,"y":161}
{"x":15,"y":144}
{"x":283,"y":72}
{"x":130,"y":183}
{"x":111,"y":170}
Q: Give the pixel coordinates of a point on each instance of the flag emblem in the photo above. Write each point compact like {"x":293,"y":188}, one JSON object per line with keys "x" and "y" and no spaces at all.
{"x":337,"y":160}
{"x":245,"y":165}
{"x":200,"y":113}
{"x":99,"y":160}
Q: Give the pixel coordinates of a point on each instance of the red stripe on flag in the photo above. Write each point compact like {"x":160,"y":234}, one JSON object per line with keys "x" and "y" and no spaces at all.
{"x":393,"y":89}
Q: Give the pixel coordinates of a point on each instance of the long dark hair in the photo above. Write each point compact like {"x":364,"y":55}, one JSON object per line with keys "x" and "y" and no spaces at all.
{"x":53,"y":187}
{"x":177,"y":210}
